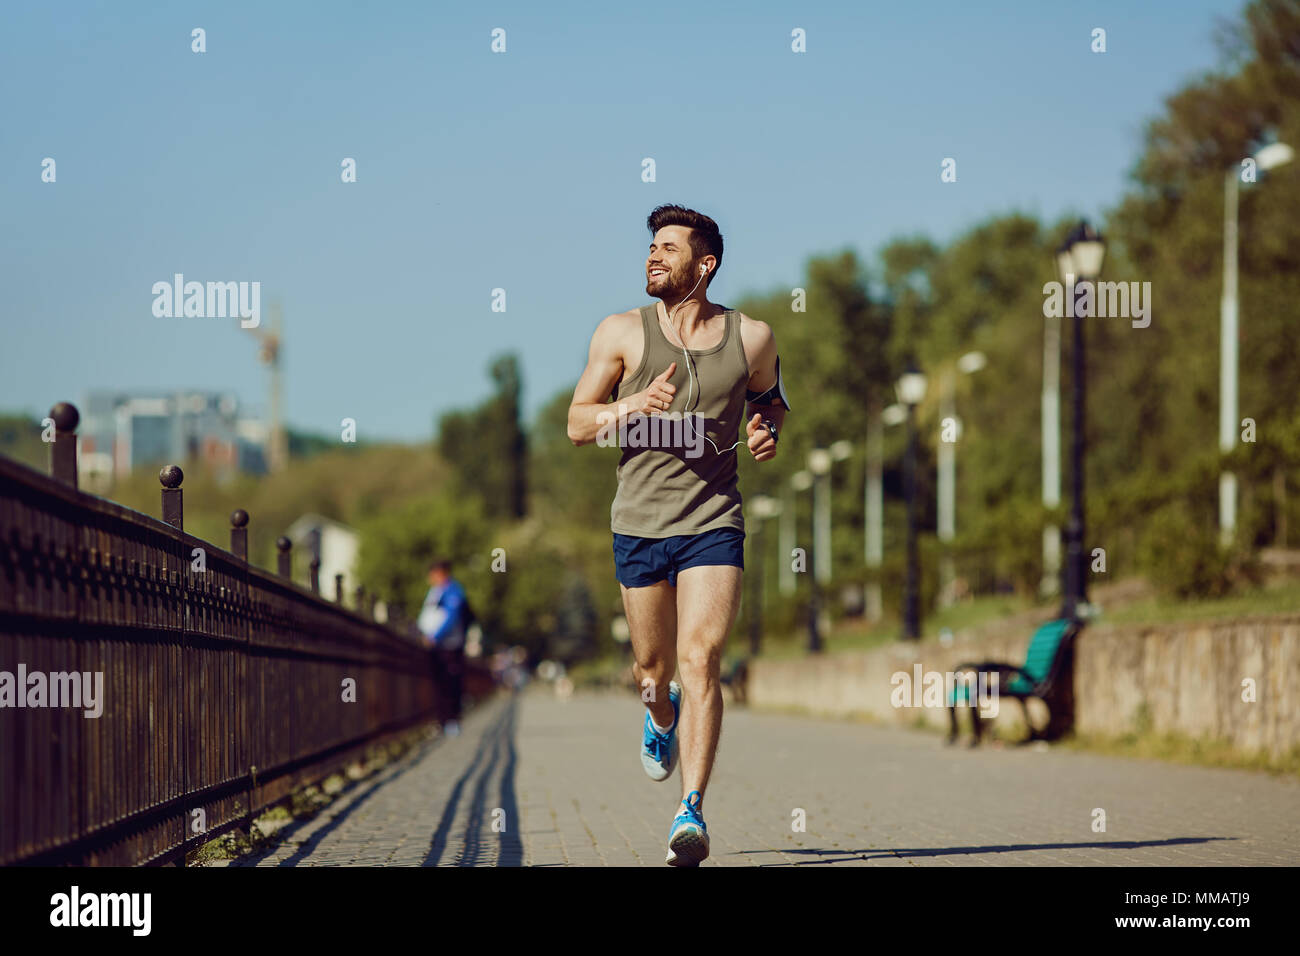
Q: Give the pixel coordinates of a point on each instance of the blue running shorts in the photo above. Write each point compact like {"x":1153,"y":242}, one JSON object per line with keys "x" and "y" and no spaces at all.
{"x":639,"y":562}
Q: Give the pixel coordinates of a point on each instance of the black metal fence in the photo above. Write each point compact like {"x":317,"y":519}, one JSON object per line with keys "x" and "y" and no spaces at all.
{"x":224,"y":688}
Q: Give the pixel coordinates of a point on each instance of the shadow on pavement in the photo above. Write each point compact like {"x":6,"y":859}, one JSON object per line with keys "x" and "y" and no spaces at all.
{"x":487,"y":759}
{"x":842,"y":856}
{"x":286,"y":833}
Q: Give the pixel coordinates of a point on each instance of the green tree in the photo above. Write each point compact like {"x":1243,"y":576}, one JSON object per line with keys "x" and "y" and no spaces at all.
{"x":487,"y":445}
{"x":399,"y":543}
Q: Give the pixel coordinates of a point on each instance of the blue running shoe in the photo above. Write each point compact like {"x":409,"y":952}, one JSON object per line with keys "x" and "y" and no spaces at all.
{"x":688,"y":840}
{"x":659,"y":751}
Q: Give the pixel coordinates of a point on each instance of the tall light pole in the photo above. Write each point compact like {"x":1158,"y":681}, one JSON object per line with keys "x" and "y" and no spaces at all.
{"x":1267,"y":158}
{"x":761,"y":507}
{"x":911,"y":390}
{"x":1080,"y":257}
{"x":785,"y":540}
{"x":968,"y":364}
{"x":1051,"y":581}
{"x":819,"y":463}
{"x":802,"y":481}
{"x":875,"y":503}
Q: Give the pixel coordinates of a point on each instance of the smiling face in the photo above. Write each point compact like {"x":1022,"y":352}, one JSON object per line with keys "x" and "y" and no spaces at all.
{"x":671,"y":268}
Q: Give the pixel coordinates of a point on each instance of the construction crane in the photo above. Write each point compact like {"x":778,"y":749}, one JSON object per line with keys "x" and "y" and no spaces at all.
{"x":277,"y":447}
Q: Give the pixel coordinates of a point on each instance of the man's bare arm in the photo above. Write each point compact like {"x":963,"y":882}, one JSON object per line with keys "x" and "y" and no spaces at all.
{"x":589,"y":412}
{"x":603,"y":371}
{"x":761,"y":354}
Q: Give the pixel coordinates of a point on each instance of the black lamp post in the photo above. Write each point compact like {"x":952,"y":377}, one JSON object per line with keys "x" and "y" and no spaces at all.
{"x":911,"y":390}
{"x":1078,"y":259}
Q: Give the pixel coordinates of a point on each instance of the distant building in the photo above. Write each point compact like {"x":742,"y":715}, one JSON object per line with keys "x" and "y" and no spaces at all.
{"x":335,"y":544}
{"x":121,"y":431}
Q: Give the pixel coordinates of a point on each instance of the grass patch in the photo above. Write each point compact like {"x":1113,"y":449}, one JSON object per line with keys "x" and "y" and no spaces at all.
{"x":1280,"y":598}
{"x":1177,"y":748}
{"x":855,"y":635}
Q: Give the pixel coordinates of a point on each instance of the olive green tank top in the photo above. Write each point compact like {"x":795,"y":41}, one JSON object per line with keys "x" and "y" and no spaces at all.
{"x":670,"y":480}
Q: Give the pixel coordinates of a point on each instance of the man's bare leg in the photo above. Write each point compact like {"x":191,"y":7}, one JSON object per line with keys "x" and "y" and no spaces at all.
{"x":708,"y":599}
{"x":652,"y":623}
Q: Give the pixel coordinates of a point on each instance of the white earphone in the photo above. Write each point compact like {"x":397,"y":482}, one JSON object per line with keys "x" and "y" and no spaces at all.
{"x":704,"y":270}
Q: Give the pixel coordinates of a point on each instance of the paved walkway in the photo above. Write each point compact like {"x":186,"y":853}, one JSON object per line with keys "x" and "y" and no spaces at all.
{"x":536,"y":781}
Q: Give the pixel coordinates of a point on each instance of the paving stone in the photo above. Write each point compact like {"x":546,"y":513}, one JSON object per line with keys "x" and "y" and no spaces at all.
{"x":565,"y":779}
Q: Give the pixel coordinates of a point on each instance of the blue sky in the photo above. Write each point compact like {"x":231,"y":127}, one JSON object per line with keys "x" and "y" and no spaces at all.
{"x":519,"y":170}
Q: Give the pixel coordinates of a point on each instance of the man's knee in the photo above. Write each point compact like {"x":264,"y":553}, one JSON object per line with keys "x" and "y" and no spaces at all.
{"x":653,"y":664}
{"x":700,"y":663}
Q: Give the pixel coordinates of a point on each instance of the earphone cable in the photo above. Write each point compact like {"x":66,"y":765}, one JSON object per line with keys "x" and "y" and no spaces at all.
{"x":689,"y":372}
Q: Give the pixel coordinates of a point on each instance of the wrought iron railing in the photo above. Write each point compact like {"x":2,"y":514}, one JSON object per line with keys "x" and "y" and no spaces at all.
{"x":222,"y":688}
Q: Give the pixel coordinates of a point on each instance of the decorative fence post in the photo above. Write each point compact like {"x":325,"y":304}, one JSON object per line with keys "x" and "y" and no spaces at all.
{"x":284,"y":562}
{"x":172,"y":510}
{"x":63,"y":450}
{"x":315,"y":574}
{"x":239,"y":533}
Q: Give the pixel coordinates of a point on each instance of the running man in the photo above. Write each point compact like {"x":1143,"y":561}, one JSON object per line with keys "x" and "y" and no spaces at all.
{"x":697,"y":371}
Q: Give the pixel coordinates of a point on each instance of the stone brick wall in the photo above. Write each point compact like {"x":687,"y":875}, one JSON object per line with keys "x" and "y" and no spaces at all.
{"x":1182,"y":677}
{"x":1189,"y":678}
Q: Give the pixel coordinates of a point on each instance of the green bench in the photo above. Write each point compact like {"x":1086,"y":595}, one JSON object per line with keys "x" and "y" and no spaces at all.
{"x":1047,"y":673}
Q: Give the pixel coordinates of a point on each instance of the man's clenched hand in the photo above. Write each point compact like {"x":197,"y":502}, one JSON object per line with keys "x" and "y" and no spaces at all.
{"x":761,"y":443}
{"x":657,"y":396}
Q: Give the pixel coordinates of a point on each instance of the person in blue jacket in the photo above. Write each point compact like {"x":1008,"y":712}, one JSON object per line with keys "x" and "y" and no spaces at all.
{"x":443,"y":621}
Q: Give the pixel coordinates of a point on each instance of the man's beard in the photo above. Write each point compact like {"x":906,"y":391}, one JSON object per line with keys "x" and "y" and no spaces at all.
{"x":669,"y":287}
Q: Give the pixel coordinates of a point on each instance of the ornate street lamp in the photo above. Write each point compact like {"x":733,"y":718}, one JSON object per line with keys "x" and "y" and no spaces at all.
{"x":1080,"y":259}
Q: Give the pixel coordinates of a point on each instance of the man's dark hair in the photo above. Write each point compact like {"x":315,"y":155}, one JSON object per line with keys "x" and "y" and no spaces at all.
{"x":440,"y":564}
{"x":706,"y":240}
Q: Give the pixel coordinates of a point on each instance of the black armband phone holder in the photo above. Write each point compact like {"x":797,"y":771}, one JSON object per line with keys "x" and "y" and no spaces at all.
{"x":774,"y":395}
